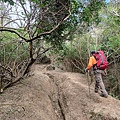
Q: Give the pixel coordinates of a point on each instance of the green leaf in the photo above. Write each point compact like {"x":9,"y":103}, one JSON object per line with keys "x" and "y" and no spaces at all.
{"x":5,"y":0}
{"x":11,"y":2}
{"x":35,"y":1}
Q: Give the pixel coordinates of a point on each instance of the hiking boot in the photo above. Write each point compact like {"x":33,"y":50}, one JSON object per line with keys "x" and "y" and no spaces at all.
{"x":96,"y":91}
{"x":103,"y":95}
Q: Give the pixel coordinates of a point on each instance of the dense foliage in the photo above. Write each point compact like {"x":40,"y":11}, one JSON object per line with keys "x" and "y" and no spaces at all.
{"x":69,"y":29}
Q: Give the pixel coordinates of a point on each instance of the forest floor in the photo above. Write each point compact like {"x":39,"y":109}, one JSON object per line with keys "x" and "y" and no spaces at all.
{"x":56,"y":95}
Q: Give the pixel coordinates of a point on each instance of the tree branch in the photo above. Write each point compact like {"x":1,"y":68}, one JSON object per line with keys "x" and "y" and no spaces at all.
{"x":38,"y":36}
{"x":48,"y":32}
{"x":12,"y":31}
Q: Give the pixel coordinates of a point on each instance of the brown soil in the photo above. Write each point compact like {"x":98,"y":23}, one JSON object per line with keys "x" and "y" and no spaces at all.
{"x":56,"y":95}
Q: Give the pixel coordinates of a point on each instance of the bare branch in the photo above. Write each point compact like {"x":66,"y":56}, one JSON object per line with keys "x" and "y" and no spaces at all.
{"x":48,"y":32}
{"x":12,"y":31}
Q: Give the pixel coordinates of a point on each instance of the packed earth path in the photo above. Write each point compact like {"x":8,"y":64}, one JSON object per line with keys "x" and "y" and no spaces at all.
{"x":56,"y":95}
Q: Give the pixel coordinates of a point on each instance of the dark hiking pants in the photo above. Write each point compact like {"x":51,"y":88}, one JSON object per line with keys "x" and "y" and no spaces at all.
{"x":99,"y":82}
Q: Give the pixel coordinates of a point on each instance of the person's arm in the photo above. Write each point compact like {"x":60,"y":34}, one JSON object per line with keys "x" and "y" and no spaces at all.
{"x":92,"y":61}
{"x":89,"y":63}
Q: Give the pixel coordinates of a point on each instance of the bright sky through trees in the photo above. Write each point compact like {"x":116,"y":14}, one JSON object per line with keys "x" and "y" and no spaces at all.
{"x":107,"y":1}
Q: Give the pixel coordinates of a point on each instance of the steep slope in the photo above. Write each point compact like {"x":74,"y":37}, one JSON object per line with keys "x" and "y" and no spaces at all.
{"x":56,"y":95}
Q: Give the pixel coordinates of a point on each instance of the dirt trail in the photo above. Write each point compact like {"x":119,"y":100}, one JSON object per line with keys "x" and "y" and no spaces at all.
{"x":56,"y":95}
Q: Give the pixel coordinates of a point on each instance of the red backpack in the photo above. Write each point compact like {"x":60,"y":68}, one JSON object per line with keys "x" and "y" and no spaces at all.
{"x":102,"y":62}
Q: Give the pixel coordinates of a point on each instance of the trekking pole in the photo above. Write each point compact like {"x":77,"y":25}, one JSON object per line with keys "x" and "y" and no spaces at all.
{"x":88,"y":80}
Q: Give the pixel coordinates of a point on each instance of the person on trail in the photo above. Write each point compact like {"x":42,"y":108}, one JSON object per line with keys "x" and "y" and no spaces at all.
{"x":98,"y":75}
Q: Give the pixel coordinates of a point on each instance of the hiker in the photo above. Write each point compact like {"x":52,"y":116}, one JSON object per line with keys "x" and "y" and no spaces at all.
{"x":98,"y":75}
